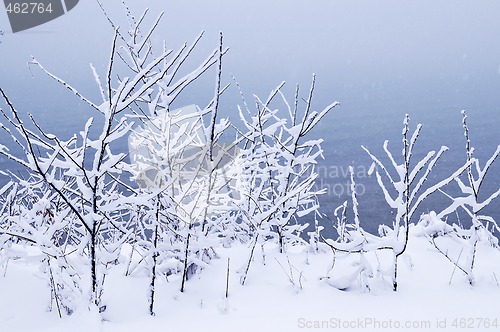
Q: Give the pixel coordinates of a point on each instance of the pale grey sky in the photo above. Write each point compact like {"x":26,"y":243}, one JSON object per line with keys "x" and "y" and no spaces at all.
{"x":389,"y":56}
{"x":360,"y":40}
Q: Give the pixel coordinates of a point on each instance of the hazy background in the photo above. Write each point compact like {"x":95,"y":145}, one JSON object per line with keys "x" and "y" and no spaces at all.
{"x":288,"y":39}
{"x":379,"y":59}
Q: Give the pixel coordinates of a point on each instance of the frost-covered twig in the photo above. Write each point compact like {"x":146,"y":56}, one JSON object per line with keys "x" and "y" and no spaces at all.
{"x":406,"y":186}
{"x":470,"y":202}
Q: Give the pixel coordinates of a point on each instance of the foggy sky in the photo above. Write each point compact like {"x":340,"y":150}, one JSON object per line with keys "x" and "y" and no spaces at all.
{"x":270,"y":41}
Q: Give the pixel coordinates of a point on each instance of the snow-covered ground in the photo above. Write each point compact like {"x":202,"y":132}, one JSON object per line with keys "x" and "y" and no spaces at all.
{"x":425,"y":300}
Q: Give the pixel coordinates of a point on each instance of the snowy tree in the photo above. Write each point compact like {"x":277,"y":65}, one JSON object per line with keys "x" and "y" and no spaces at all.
{"x":406,"y":188}
{"x":35,"y":216}
{"x":403,"y":192}
{"x":84,"y":171}
{"x":278,"y":166}
{"x":407,"y":184}
{"x":178,"y":156}
{"x":471,"y":202}
{"x":177,"y":161}
{"x":78,"y":170}
{"x":351,"y":240}
{"x":482,"y":226}
{"x":188,"y":190}
{"x":8,"y":232}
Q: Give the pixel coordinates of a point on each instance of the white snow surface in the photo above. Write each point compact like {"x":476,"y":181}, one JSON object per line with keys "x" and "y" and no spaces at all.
{"x":269,"y":301}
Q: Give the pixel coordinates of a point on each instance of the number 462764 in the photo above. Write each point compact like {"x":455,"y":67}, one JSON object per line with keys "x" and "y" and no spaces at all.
{"x":28,"y":8}
{"x":475,"y":323}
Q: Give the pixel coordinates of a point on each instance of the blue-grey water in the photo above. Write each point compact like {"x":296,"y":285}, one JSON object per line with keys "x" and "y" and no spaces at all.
{"x":370,"y":112}
{"x":377,"y":114}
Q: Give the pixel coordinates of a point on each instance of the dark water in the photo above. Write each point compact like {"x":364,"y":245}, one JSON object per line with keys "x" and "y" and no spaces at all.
{"x":370,"y":113}
{"x":378,"y":114}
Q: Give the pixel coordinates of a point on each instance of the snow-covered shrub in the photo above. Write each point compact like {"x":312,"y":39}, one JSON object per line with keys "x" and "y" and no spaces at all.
{"x":187,"y":197}
{"x":349,"y":264}
{"x":403,"y":192}
{"x":80,"y":171}
{"x":85,"y":172}
{"x":8,"y":209}
{"x":37,"y":218}
{"x":9,"y":232}
{"x":278,"y":170}
{"x":180,"y":207}
{"x":482,"y":227}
